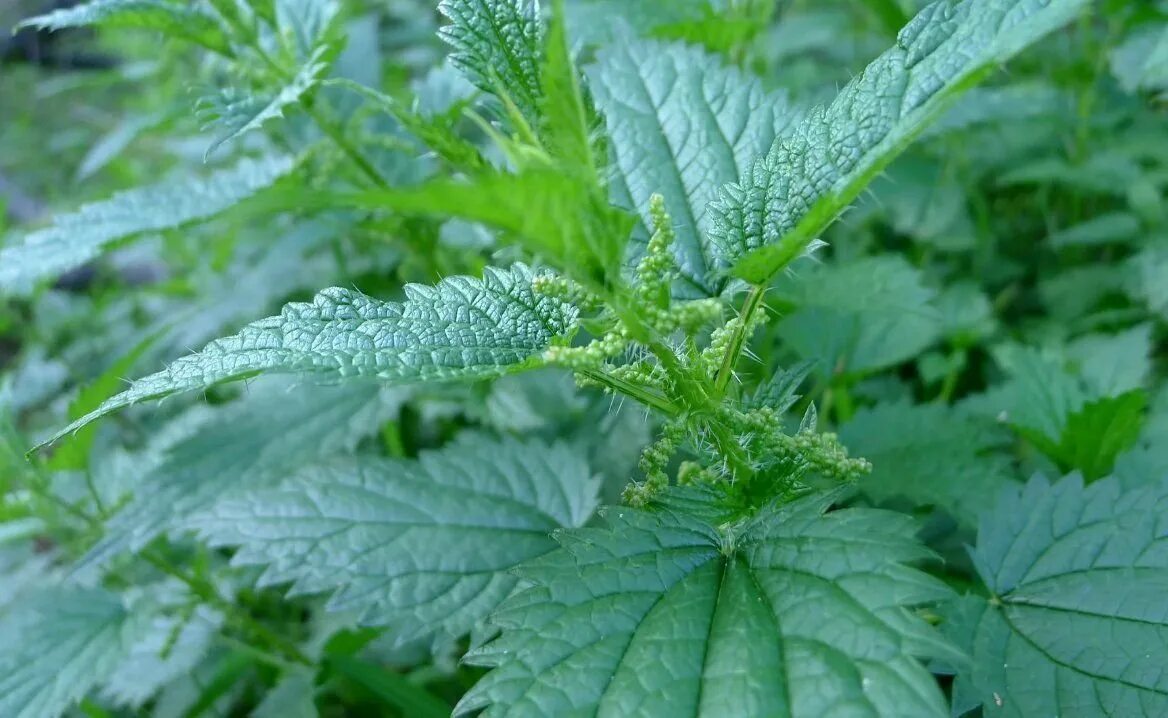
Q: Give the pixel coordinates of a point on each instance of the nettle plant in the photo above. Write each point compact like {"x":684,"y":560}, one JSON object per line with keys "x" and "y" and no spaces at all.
{"x":645,"y":196}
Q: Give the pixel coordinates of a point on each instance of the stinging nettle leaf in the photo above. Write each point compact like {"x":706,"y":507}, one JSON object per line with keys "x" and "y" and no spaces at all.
{"x":1077,"y":625}
{"x":424,"y":547}
{"x":496,"y":45}
{"x":251,"y":443}
{"x":57,"y":644}
{"x":170,"y":18}
{"x":75,"y":238}
{"x":460,"y":328}
{"x":786,"y":199}
{"x":681,"y":124}
{"x":794,"y":613}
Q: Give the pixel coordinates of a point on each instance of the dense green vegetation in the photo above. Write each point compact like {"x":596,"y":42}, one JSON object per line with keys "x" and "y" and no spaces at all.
{"x":668,"y":358}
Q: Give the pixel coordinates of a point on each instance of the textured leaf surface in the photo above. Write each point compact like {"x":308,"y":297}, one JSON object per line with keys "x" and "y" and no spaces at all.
{"x":460,"y":328}
{"x":424,"y":547}
{"x":496,"y":45}
{"x":681,"y":124}
{"x":798,"y":613}
{"x":787,"y":198}
{"x":930,"y":454}
{"x":75,"y":238}
{"x":57,"y":644}
{"x":1079,"y":626}
{"x":170,"y":18}
{"x":252,"y":443}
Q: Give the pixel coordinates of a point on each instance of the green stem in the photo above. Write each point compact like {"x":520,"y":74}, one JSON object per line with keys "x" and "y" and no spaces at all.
{"x":642,"y":394}
{"x":737,"y":341}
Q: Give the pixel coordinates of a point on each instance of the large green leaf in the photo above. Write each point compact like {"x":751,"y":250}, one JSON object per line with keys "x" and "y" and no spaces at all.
{"x":796,"y":612}
{"x":461,"y":328}
{"x":57,"y":644}
{"x":931,"y":455}
{"x":786,"y":199}
{"x":681,"y":124}
{"x":496,"y":45}
{"x":252,"y":443}
{"x":425,"y":547}
{"x":175,"y":19}
{"x":1076,"y":625}
{"x":75,"y":238}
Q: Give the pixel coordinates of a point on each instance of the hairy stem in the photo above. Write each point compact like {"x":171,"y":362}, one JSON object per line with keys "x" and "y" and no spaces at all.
{"x":737,"y":341}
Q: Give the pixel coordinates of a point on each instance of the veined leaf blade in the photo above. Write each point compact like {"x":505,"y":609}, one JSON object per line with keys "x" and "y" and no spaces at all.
{"x":424,"y":547}
{"x":1077,"y":624}
{"x":682,"y":124}
{"x":649,"y":616}
{"x":461,"y":328}
{"x":785,"y":199}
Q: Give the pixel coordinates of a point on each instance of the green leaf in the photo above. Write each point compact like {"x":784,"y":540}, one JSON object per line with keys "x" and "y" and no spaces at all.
{"x":1150,"y":285}
{"x":424,"y":547}
{"x":556,"y":215}
{"x":930,"y":454}
{"x":75,"y":454}
{"x":233,"y":114}
{"x":1100,"y":431}
{"x":170,"y":648}
{"x":786,"y":199}
{"x":796,"y":612}
{"x":293,"y":697}
{"x":173,"y":19}
{"x":1110,"y":228}
{"x":779,"y":392}
{"x":681,"y":124}
{"x":1037,"y":397}
{"x":1112,"y":364}
{"x":395,"y":690}
{"x":75,"y":238}
{"x":59,"y":643}
{"x":496,"y":44}
{"x":1141,"y":61}
{"x":461,"y":328}
{"x":857,"y":316}
{"x":305,"y":23}
{"x":252,"y":443}
{"x":1076,"y":626}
